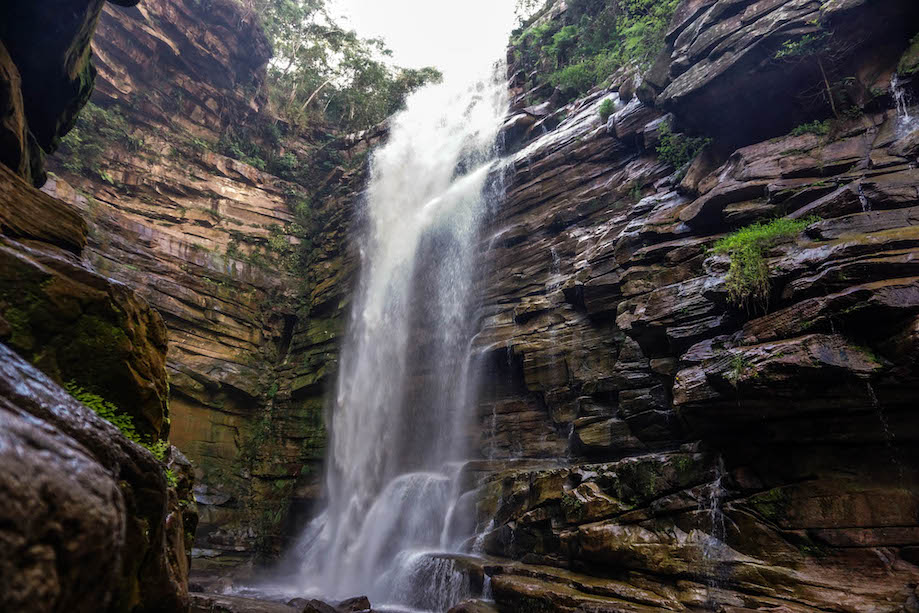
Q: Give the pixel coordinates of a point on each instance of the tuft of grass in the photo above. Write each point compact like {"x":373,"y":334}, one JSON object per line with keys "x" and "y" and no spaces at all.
{"x":820,"y":128}
{"x":679,"y":150}
{"x":606,"y":109}
{"x":748,"y":277}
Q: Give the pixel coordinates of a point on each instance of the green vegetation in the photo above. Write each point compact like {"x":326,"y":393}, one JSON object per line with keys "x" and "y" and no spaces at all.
{"x":572,"y":507}
{"x":95,"y":131}
{"x":820,"y":128}
{"x":606,"y":109}
{"x":909,"y":63}
{"x":323,"y":71}
{"x":597,"y":38}
{"x":739,"y":368}
{"x":106,"y":410}
{"x":124,"y":422}
{"x":805,"y":46}
{"x":679,"y":150}
{"x":748,"y":276}
{"x":772,"y":504}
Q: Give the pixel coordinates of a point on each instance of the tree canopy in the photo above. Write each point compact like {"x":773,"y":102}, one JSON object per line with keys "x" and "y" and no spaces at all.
{"x":322,"y":70}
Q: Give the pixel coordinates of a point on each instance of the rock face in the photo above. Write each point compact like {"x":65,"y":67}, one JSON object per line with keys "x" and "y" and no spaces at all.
{"x":89,"y":523}
{"x":91,"y":520}
{"x":766,"y":58}
{"x":254,"y":314}
{"x":647,"y":444}
{"x":653,"y":445}
{"x":49,"y":44}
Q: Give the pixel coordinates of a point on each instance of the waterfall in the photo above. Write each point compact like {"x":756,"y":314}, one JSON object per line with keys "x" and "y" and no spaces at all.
{"x":905,"y":122}
{"x":403,"y":395}
{"x":714,"y":549}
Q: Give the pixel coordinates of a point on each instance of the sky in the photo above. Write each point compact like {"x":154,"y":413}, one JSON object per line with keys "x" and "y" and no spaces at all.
{"x":453,"y":35}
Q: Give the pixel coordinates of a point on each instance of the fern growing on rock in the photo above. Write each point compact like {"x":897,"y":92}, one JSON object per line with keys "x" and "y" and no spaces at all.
{"x":124,"y":422}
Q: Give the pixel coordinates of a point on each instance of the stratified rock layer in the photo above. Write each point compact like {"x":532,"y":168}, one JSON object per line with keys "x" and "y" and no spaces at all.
{"x":674,"y":451}
{"x":208,"y":241}
{"x":90,"y":521}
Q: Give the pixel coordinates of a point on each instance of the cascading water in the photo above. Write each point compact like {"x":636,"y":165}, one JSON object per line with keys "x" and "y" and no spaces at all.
{"x":905,"y":121}
{"x":402,"y":403}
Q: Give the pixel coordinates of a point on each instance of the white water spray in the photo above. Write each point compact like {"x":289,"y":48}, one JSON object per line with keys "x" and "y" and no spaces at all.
{"x":403,"y":396}
{"x":905,"y":121}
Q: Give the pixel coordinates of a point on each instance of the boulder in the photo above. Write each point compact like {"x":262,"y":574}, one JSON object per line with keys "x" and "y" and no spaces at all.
{"x":106,"y":538}
{"x":210,"y":603}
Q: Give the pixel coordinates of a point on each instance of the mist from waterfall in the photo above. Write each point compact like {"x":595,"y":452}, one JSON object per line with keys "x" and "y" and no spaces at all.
{"x":403,"y":401}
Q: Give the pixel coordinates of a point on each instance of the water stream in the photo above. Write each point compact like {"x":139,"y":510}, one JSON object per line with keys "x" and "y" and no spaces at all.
{"x":905,"y":121}
{"x":404,"y":394}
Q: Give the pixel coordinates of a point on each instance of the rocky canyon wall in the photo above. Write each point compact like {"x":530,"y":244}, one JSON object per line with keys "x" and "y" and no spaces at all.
{"x":243,"y":256}
{"x":673,"y":416}
{"x":658,"y":433}
{"x":94,"y":517}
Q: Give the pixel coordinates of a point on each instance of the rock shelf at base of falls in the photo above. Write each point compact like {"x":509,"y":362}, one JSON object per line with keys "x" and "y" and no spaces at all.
{"x":211,"y":603}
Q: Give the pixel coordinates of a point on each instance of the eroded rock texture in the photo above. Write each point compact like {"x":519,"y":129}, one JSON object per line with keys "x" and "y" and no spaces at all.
{"x":90,"y":520}
{"x":212,"y":243}
{"x":89,"y":523}
{"x":672,"y":450}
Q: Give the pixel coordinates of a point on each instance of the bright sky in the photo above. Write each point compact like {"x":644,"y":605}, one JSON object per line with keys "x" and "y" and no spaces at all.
{"x":452,"y":35}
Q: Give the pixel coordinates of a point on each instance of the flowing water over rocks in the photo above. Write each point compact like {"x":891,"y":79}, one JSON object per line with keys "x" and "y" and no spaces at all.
{"x":403,"y":398}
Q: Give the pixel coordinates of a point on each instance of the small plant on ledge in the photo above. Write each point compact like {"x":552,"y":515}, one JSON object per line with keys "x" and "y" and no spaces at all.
{"x":748,"y":277}
{"x":606,"y":109}
{"x":679,"y":150}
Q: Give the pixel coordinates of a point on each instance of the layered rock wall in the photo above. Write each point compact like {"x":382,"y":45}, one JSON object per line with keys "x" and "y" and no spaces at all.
{"x":92,"y":520}
{"x":253,"y":301}
{"x":656,"y":445}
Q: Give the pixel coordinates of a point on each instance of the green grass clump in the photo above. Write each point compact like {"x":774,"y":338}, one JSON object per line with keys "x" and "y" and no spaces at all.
{"x":606,"y":109}
{"x":820,"y":128}
{"x":748,"y":276}
{"x":678,"y":150}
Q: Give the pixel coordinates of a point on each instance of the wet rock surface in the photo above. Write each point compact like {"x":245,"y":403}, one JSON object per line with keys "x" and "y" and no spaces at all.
{"x":253,"y":342}
{"x":715,"y":456}
{"x":88,"y":521}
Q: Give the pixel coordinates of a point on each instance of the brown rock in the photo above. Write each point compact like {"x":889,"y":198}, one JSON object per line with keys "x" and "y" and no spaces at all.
{"x":208,"y":603}
{"x":136,"y":555}
{"x":15,"y":151}
{"x":63,"y":517}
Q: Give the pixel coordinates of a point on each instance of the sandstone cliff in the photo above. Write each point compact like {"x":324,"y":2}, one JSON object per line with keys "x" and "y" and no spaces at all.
{"x":243,"y":256}
{"x":664,"y":435}
{"x":662,"y":428}
{"x":95,"y":517}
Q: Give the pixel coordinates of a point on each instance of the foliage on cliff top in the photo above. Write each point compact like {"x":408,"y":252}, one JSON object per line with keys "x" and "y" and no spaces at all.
{"x":748,"y":277}
{"x":321,"y":70}
{"x":593,"y":40}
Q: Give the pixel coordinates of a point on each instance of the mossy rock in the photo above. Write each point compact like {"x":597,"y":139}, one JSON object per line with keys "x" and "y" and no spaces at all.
{"x":909,"y":63}
{"x":81,"y":328}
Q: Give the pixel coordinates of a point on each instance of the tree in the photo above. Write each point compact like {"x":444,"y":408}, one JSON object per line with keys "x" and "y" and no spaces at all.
{"x":826,"y":52}
{"x":323,"y":71}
